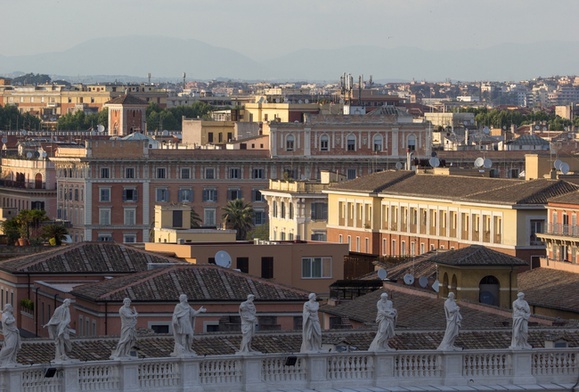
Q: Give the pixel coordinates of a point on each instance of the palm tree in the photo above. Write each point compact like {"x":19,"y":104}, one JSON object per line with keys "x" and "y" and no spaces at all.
{"x":55,"y":231}
{"x":195,"y":219}
{"x":239,"y":216}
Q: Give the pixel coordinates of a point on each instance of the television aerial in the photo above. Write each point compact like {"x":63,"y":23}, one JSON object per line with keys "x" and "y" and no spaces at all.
{"x":382,"y":274}
{"x":408,"y":279}
{"x":479,"y":162}
{"x":223,"y":259}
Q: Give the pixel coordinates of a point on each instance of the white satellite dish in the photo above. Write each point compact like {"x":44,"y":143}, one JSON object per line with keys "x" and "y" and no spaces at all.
{"x":486,"y":130}
{"x":100,"y":128}
{"x":487,"y":163}
{"x":557,"y":164}
{"x":408,"y":279}
{"x":44,"y":154}
{"x":479,"y":162}
{"x":223,"y":259}
{"x":436,"y":285}
{"x":382,"y":273}
{"x":434,"y":162}
{"x":399,"y":165}
{"x":165,"y":133}
{"x":423,"y":281}
{"x":564,"y":168}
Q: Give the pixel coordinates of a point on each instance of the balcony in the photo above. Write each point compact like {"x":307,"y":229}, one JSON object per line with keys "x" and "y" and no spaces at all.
{"x":420,"y":370}
{"x":562,"y":230}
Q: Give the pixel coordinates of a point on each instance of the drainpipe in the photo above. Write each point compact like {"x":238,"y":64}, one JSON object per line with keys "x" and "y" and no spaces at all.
{"x":106,"y":318}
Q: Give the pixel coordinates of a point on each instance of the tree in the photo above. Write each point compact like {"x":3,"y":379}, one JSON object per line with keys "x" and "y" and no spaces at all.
{"x":54,"y":231}
{"x":30,"y":219}
{"x":11,"y":230}
{"x":195,"y":219}
{"x":261,"y":232}
{"x":238,"y":216}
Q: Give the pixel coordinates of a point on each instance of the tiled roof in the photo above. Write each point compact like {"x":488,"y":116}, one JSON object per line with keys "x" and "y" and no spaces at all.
{"x":568,"y":198}
{"x":476,"y":255}
{"x":529,"y":140}
{"x":86,"y":257}
{"x":158,"y":346}
{"x":374,"y":182}
{"x":199,"y":282}
{"x":526,"y":192}
{"x":551,"y":288}
{"x":418,"y":310}
{"x":127,"y":99}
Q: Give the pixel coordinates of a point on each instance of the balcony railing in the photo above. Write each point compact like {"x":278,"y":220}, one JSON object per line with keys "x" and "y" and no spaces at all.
{"x":563,"y":230}
{"x":464,"y":370}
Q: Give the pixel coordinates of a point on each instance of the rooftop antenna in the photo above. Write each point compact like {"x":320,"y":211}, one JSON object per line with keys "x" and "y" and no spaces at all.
{"x":149,"y":77}
{"x":184,"y":83}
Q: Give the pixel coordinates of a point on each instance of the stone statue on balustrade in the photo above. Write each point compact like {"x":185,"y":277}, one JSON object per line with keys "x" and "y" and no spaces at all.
{"x":128,"y":337}
{"x":453,"y":323}
{"x":12,"y":341}
{"x":312,"y":331}
{"x":386,"y":318}
{"x":59,"y":330}
{"x":248,"y":315}
{"x":184,"y":326}
{"x":521,"y":314}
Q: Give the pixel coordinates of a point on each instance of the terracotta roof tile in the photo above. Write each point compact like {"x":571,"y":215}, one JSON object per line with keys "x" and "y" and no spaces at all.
{"x":374,"y":182}
{"x":550,"y":288}
{"x":127,"y":99}
{"x":476,"y":255}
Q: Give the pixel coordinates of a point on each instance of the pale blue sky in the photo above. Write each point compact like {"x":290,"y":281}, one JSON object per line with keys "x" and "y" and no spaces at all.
{"x":268,"y":28}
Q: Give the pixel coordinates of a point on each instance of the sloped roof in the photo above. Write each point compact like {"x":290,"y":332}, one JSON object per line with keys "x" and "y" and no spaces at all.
{"x":199,"y":282}
{"x":86,"y":257}
{"x":127,"y":99}
{"x":529,"y":140}
{"x":527,"y":192}
{"x":568,"y":198}
{"x":550,"y":288}
{"x":476,"y":255}
{"x":374,"y":182}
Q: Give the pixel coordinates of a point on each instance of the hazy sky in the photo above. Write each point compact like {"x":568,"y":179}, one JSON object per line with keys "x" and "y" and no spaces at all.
{"x":267,"y":28}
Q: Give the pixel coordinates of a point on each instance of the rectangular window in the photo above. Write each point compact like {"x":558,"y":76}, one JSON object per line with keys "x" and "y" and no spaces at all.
{"x":210,"y":195}
{"x":105,"y":173}
{"x":257,"y":173}
{"x":351,"y":174}
{"x":177,"y":218}
{"x":209,"y":217}
{"x":316,"y":267}
{"x":130,"y":194}
{"x":129,"y":238}
{"x":162,"y":194}
{"x":234,"y":173}
{"x":105,"y":194}
{"x":130,"y":216}
{"x":161,"y":172}
{"x":209,"y":173}
{"x":351,"y":144}
{"x":259,"y":217}
{"x":243,"y":264}
{"x":233,"y":194}
{"x":130,"y":172}
{"x":319,"y":211}
{"x":536,"y":227}
{"x":210,"y":137}
{"x":185,"y":173}
{"x":267,"y":267}
{"x":256,"y":195}
{"x":105,"y":216}
{"x":185,"y":195}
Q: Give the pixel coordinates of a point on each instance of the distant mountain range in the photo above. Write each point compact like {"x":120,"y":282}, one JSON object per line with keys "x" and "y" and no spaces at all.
{"x":136,"y":56}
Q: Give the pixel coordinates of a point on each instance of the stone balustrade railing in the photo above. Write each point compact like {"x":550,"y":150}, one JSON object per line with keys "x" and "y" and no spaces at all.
{"x":263,"y":372}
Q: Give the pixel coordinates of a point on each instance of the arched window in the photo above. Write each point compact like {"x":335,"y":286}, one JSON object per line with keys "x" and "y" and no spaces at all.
{"x":444,"y":287}
{"x":351,"y":143}
{"x":377,"y":144}
{"x":324,"y":143}
{"x":289,"y":142}
{"x":488,"y":291}
{"x":38,"y":181}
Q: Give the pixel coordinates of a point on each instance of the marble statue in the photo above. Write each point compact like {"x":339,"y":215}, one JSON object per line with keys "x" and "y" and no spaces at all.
{"x":521,"y":314}
{"x":453,"y":321}
{"x":59,"y":330}
{"x":12,"y":342}
{"x":386,"y":320}
{"x":184,"y":326}
{"x":247,"y":312}
{"x":128,"y":337}
{"x":312,"y":331}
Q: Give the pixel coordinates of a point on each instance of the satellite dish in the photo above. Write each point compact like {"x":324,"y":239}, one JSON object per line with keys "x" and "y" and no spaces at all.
{"x":408,"y":279}
{"x":36,"y":154}
{"x":557,"y":164}
{"x":434,"y":162}
{"x":564,"y":168}
{"x":536,"y":127}
{"x":28,"y":155}
{"x":486,"y":130}
{"x":544,"y":128}
{"x":487,"y":163}
{"x":436,"y":285}
{"x":399,"y":165}
{"x":479,"y":162}
{"x":100,"y":128}
{"x":382,"y":274}
{"x":4,"y":139}
{"x":423,"y":281}
{"x":165,"y":133}
{"x":433,"y":154}
{"x":23,"y":132}
{"x":44,"y":154}
{"x":223,"y":259}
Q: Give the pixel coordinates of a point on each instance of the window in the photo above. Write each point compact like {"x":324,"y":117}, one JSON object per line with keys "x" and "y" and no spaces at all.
{"x":162,"y":194}
{"x":210,"y":137}
{"x":209,"y":173}
{"x":243,"y":264}
{"x":234,"y":173}
{"x":76,"y":194}
{"x":185,"y":173}
{"x":130,"y":216}
{"x":274,"y":209}
{"x":267,"y":267}
{"x":259,"y":217}
{"x":233,"y":194}
{"x":105,"y":173}
{"x":319,"y":211}
{"x":161,"y":172}
{"x":536,"y":227}
{"x":185,"y":195}
{"x":289,"y":142}
{"x":316,"y":267}
{"x":351,"y":143}
{"x":177,"y":218}
{"x":209,"y":217}
{"x":160,"y":328}
{"x":130,"y":172}
{"x":129,"y":238}
{"x":351,"y":174}
{"x":105,"y":194}
{"x":319,"y":237}
{"x":411,"y":143}
{"x":377,"y":147}
{"x":105,"y":216}
{"x":324,"y":143}
{"x":130,"y":194}
{"x":210,"y":195}
{"x":257,"y":173}
{"x":256,"y":195}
